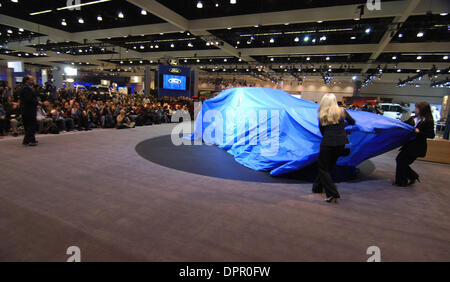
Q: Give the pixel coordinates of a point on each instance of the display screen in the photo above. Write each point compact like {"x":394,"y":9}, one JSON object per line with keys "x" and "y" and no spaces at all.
{"x":174,"y":82}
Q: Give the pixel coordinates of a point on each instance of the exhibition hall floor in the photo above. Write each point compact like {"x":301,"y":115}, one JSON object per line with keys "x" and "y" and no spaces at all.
{"x":92,"y":190}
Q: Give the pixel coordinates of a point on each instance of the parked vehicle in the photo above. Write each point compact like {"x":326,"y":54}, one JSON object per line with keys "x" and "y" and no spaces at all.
{"x":394,"y":111}
{"x":101,"y":89}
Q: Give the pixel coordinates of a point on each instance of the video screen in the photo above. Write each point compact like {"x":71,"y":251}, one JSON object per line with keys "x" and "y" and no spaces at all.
{"x":174,"y":82}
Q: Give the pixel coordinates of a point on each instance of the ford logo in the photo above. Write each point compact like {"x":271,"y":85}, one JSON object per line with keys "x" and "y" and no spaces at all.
{"x":175,"y":81}
{"x":174,"y":70}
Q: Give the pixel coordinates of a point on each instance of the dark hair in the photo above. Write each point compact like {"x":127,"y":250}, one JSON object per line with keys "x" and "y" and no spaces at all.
{"x":26,"y":78}
{"x":425,"y":111}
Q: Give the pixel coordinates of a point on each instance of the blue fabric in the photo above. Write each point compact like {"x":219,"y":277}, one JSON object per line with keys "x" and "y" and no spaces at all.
{"x":298,"y":127}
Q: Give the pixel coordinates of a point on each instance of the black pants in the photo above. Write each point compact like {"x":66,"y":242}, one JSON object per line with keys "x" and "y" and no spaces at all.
{"x":328,"y":157}
{"x":30,"y":131}
{"x":404,"y":172}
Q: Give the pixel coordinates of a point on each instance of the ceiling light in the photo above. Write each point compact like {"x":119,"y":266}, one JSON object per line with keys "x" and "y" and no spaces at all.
{"x":368,"y":30}
{"x":143,"y":12}
{"x":142,"y":47}
{"x":308,"y":58}
{"x":443,"y":14}
{"x":272,"y":40}
{"x":400,"y":35}
{"x":420,"y":34}
{"x":172,"y":45}
{"x":323,"y":38}
{"x":354,"y":77}
{"x":199,"y":4}
{"x":419,"y":58}
{"x":63,"y":22}
{"x":319,"y":21}
{"x":120,"y":15}
{"x":272,"y":59}
{"x":232,"y":1}
{"x":399,"y":70}
{"x":99,"y":18}
{"x":81,"y":21}
{"x":217,"y":4}
{"x":327,"y":58}
{"x":156,"y":46}
{"x":353,"y":37}
{"x":306,"y":38}
{"x":297,"y":39}
{"x":41,"y":12}
{"x":394,"y":57}
{"x":445,"y":57}
{"x":417,"y":70}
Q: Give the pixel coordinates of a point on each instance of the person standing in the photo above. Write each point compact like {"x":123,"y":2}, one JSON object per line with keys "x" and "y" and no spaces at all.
{"x":332,"y":122}
{"x":424,"y":123}
{"x":28,"y":101}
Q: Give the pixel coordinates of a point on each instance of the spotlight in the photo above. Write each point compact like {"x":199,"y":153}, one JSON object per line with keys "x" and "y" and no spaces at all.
{"x":143,"y":12}
{"x":199,"y":4}
{"x":419,"y":58}
{"x":63,"y":22}
{"x":120,"y":15}
{"x":99,"y":18}
{"x":81,"y":21}
{"x":400,"y":35}
{"x":306,"y":38}
{"x":297,"y":39}
{"x":420,"y":34}
{"x":368,"y":30}
{"x":394,"y":57}
{"x":354,"y":77}
{"x":272,"y":40}
{"x":232,"y":1}
{"x":445,"y":57}
{"x":353,"y":37}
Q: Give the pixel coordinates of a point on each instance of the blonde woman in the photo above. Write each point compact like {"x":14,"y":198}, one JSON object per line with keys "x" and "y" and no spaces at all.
{"x":332,"y":123}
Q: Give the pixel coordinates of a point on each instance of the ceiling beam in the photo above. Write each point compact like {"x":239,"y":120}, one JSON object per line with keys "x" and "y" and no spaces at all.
{"x":162,"y":12}
{"x":179,"y":21}
{"x":391,"y":31}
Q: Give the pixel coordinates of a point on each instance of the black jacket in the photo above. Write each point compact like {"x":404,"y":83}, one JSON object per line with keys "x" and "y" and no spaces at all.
{"x":334,"y":134}
{"x":418,"y":146}
{"x":28,"y":102}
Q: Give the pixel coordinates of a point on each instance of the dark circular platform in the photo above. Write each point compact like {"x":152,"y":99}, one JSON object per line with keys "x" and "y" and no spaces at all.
{"x":214,"y":162}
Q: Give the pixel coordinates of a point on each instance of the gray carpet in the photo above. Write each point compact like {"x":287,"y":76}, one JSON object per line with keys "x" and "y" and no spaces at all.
{"x":92,"y":190}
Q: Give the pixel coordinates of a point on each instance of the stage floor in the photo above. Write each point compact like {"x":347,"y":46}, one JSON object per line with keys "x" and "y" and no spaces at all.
{"x":94,"y":191}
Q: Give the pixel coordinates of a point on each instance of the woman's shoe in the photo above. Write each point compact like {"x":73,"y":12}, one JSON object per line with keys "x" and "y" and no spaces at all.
{"x":412,"y":181}
{"x":331,"y":200}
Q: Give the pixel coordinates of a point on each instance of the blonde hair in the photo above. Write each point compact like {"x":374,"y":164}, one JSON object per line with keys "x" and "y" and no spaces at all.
{"x":329,"y":110}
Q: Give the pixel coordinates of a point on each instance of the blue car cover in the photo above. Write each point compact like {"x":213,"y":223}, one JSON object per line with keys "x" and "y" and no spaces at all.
{"x":271,"y":130}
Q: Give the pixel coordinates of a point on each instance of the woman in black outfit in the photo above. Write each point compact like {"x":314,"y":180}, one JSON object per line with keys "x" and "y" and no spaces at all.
{"x":424,"y":123}
{"x":332,"y":123}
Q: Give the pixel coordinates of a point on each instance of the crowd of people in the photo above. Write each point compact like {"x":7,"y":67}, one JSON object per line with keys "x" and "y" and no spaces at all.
{"x":68,"y":109}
